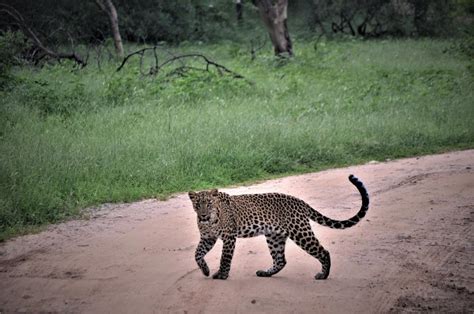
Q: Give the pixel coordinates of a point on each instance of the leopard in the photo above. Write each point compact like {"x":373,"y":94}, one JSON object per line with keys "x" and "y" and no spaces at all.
{"x":277,"y":216}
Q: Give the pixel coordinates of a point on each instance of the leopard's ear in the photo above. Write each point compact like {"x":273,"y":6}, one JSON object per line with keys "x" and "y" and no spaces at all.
{"x":214,"y":192}
{"x":192,"y":195}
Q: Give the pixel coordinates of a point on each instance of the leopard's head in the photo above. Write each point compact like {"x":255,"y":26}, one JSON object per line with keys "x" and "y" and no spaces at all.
{"x":205,"y":205}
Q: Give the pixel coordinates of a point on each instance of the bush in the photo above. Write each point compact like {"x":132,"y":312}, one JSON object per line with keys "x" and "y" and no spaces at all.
{"x":11,"y":45}
{"x":373,"y":18}
{"x":140,"y":21}
{"x":175,"y":21}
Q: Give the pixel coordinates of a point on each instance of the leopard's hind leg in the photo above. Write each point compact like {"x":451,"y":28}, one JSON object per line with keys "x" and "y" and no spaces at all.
{"x":276,"y":244}
{"x":305,"y":238}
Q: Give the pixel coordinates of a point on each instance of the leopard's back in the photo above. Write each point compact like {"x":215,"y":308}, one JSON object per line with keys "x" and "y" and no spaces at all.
{"x":257,"y":214}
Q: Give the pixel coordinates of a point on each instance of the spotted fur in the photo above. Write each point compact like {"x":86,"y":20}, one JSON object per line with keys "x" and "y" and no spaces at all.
{"x":277,"y":216}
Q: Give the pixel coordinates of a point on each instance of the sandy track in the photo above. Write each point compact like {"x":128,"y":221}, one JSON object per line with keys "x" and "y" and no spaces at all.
{"x":412,"y":252}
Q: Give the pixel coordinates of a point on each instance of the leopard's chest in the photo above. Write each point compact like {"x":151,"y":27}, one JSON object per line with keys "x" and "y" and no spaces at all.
{"x":209,"y":230}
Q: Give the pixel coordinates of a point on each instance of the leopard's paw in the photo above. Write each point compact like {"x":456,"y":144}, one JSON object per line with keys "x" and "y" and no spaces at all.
{"x":220,"y":275}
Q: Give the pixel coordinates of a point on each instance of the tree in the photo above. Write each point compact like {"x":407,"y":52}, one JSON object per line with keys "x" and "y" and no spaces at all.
{"x":274,"y":15}
{"x":108,"y":7}
{"x":238,"y":9}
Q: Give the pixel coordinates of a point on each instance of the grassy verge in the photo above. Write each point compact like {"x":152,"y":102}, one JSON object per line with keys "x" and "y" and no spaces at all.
{"x":70,"y":139}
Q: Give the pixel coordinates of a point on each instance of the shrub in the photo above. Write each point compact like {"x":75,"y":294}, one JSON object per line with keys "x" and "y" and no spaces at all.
{"x":11,"y":45}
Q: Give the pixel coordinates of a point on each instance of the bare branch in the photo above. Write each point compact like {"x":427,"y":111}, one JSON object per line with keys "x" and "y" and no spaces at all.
{"x":132,"y":54}
{"x":12,"y":12}
{"x":208,"y":63}
{"x":101,"y":5}
{"x":180,"y":58}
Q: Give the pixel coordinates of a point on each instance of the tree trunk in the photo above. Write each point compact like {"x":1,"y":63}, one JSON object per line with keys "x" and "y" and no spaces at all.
{"x":420,"y":15}
{"x":274,"y":14}
{"x":238,"y":9}
{"x":109,"y":8}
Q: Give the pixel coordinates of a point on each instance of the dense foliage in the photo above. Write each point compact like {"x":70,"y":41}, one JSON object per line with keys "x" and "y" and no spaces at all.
{"x":151,"y":21}
{"x":375,"y":18}
{"x":12,"y":44}
{"x":140,"y":21}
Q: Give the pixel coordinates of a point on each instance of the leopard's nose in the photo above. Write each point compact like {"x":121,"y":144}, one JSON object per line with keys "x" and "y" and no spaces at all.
{"x":204,"y":218}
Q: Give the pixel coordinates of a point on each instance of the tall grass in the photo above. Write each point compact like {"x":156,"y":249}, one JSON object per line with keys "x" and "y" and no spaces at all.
{"x":70,"y":139}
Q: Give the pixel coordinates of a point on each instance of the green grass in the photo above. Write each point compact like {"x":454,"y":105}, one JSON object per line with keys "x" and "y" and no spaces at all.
{"x":70,"y":139}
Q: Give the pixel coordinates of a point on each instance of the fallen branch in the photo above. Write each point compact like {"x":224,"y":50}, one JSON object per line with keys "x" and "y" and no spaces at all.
{"x":138,"y":52}
{"x":20,"y":21}
{"x":183,"y":68}
{"x":209,"y":62}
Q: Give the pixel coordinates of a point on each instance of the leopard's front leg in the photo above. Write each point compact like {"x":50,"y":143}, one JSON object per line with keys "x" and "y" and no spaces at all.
{"x":226,"y":258}
{"x":204,"y":246}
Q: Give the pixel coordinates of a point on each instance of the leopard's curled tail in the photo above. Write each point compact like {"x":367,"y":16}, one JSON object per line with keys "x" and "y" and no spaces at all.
{"x":343,"y":224}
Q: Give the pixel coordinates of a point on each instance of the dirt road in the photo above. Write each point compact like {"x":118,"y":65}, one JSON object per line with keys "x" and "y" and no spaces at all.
{"x":412,"y":252}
